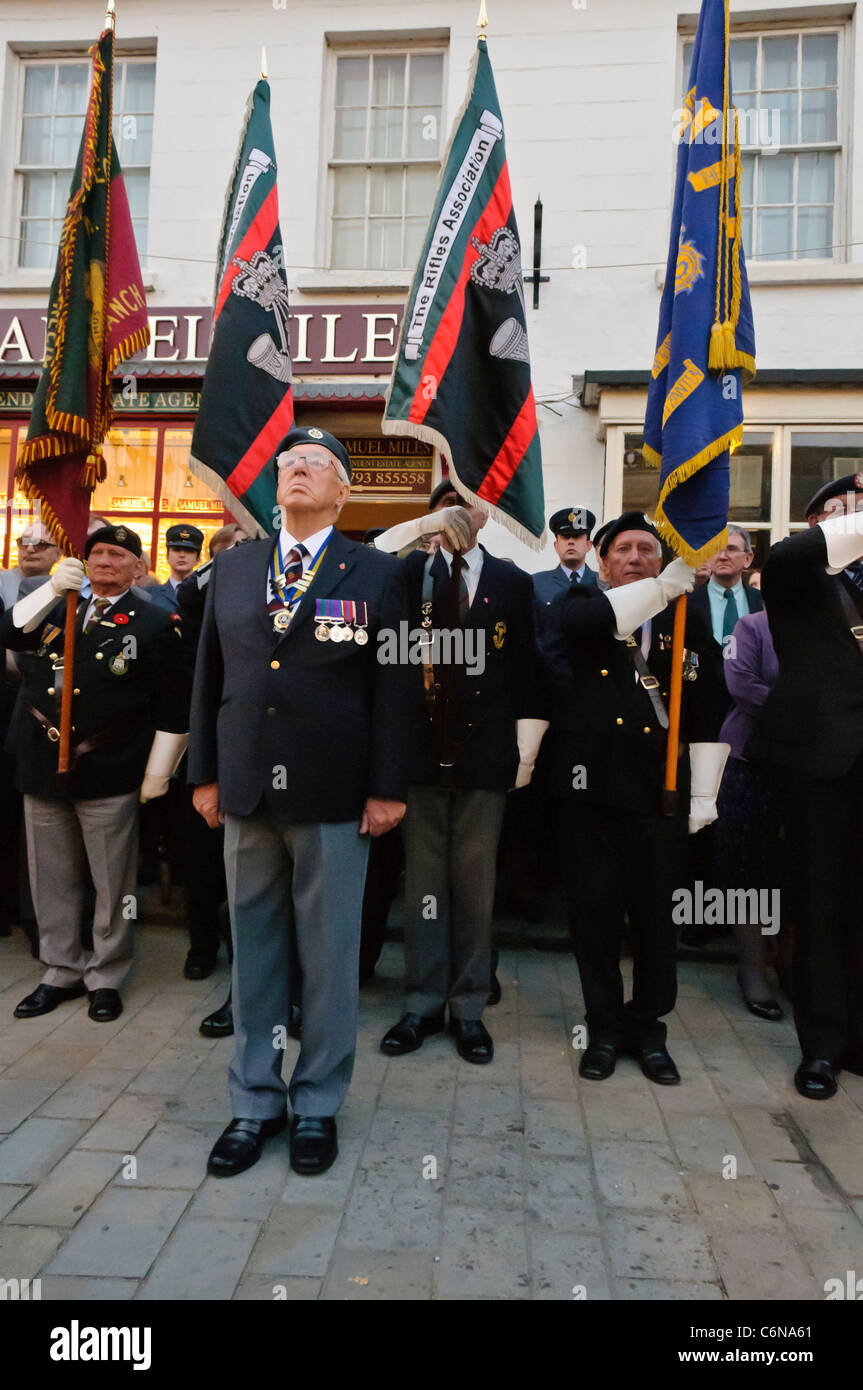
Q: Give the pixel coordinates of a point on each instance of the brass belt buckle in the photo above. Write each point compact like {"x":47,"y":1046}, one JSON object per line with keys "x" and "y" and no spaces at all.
{"x":650,"y":682}
{"x":53,"y":734}
{"x":857,"y":633}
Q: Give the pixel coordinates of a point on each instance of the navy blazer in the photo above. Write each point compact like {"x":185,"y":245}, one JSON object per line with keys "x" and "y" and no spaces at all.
{"x":308,"y":728}
{"x":547,"y":586}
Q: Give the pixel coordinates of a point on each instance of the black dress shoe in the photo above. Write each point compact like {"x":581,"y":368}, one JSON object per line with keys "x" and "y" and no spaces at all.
{"x":105,"y":1005}
{"x":240,"y":1145}
{"x":494,"y":994}
{"x":314,"y":1144}
{"x":658,"y":1066}
{"x":598,"y":1061}
{"x":410,"y":1033}
{"x":472,"y":1040}
{"x":815,"y":1078}
{"x":198,"y":967}
{"x":219,"y":1024}
{"x":45,"y":998}
{"x":761,"y":1008}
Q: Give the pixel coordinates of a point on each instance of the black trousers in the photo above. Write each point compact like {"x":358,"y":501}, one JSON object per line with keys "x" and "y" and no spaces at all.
{"x":203,"y":876}
{"x":618,"y":864}
{"x":824,"y":826}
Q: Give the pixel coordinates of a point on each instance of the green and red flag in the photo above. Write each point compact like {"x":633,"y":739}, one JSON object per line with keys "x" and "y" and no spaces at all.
{"x":97,"y":318}
{"x":246,"y":400}
{"x":461,"y":379}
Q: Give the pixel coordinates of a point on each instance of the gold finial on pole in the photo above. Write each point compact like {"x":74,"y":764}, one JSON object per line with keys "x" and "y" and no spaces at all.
{"x":264,"y":64}
{"x":110,"y":15}
{"x":482,"y":20}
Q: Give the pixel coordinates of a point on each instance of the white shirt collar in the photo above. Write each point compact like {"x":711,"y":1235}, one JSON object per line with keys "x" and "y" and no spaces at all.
{"x":111,"y":600}
{"x":312,"y":543}
{"x":472,"y":558}
{"x":719,"y":590}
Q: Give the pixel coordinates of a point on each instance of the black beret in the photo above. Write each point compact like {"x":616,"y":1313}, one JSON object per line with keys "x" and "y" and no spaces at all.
{"x":123,"y":536}
{"x":301,"y":434}
{"x":445,"y":486}
{"x":629,"y":521}
{"x":183,"y":537}
{"x":852,"y":482}
{"x":572,"y":521}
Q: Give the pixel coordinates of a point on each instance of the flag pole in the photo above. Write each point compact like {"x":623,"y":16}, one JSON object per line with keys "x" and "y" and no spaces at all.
{"x":669,"y":791}
{"x":263,"y":64}
{"x":482,"y":20}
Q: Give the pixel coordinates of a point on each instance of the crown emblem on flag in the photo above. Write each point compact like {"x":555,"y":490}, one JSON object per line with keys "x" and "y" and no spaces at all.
{"x":260,"y":279}
{"x":498,"y":266}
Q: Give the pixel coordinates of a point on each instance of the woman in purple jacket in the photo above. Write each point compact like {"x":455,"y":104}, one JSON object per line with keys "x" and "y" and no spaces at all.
{"x":749,"y":821}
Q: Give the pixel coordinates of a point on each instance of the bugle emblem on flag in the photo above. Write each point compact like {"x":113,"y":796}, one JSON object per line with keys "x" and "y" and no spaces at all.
{"x":705,"y":346}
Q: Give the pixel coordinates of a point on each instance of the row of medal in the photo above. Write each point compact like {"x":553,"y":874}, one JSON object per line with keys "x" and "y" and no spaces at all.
{"x":341,"y":620}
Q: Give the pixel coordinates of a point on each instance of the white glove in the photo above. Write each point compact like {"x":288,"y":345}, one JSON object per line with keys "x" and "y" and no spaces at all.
{"x":844,"y":537}
{"x":402,"y":539}
{"x":634,"y":603}
{"x":529,"y":735}
{"x":68,"y":574}
{"x":164,"y":759}
{"x":707,"y":764}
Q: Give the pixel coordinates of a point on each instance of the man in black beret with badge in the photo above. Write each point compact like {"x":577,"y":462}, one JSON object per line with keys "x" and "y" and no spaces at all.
{"x":810,"y":729}
{"x":297,"y":744}
{"x":610,"y":671}
{"x":130,"y":714}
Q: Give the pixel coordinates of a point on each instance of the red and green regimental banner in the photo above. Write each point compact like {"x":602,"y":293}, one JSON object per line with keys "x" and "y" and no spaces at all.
{"x":97,"y":318}
{"x":461,"y":379}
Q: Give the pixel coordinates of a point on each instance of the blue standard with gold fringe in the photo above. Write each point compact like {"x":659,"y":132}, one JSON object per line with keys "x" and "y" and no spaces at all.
{"x":705,"y":347}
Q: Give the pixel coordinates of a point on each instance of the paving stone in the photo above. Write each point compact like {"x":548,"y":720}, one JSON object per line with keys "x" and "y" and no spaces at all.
{"x":554,"y":1128}
{"x":14,"y":1042}
{"x":704,"y":1142}
{"x":560,"y":1195}
{"x":701,"y":1014}
{"x":386,"y":1213}
{"x":483,"y":1254}
{"x":621,"y":1115}
{"x":265,"y":1289}
{"x":762,"y":1265}
{"x":548,"y":1076}
{"x":641,"y":1175}
{"x":568,"y":1267}
{"x":662,"y":1291}
{"x":169,"y":1072}
{"x":25,"y":1250}
{"x":483,"y":1113}
{"x":296,"y":1240}
{"x":400,"y":1140}
{"x":831,"y":1242}
{"x":432,"y":1089}
{"x":486,"y":1172}
{"x":766,"y":1133}
{"x":34,"y":1148}
{"x":124,"y":1125}
{"x":696,"y":1095}
{"x":670,"y":1245}
{"x":62,"y":1198}
{"x":202,"y":1260}
{"x":134,"y":1048}
{"x":733,"y":1204}
{"x":503,"y":1070}
{"x":18,"y":1099}
{"x":70,"y":1288}
{"x":801,"y":1184}
{"x":844,"y":1162}
{"x":174,"y":1155}
{"x":121,"y":1234}
{"x":400,"y":1275}
{"x":10,"y":1196}
{"x":86,"y":1096}
{"x":248,"y":1196}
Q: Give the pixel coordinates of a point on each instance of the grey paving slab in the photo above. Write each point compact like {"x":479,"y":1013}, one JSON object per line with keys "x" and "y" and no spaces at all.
{"x":485,"y":1172}
{"x":733,"y":1204}
{"x":762,"y":1265}
{"x":249,"y":1196}
{"x":561,"y":1195}
{"x":261,"y":1288}
{"x":174,"y":1155}
{"x":122,"y":1234}
{"x":68,"y":1191}
{"x":488,"y":1111}
{"x":554,"y":1128}
{"x":388,"y":1213}
{"x":125,"y":1124}
{"x":363,"y":1275}
{"x":616,"y":1113}
{"x":483,"y":1254}
{"x":25,"y":1250}
{"x":86,"y":1096}
{"x":663,"y":1291}
{"x":641,"y":1175}
{"x":203,"y":1259}
{"x":830,"y":1242}
{"x":18,"y":1099}
{"x":296,"y":1240}
{"x":52,"y":1061}
{"x":705,"y":1143}
{"x":569,"y":1267}
{"x":71,"y":1288}
{"x":33,"y":1149}
{"x":801,"y":1184}
{"x":767,"y":1133}
{"x":670,"y":1245}
{"x":10,"y":1195}
{"x":548,"y":1076}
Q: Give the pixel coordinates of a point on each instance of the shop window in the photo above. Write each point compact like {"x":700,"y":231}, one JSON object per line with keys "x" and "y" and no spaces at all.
{"x":818,"y":457}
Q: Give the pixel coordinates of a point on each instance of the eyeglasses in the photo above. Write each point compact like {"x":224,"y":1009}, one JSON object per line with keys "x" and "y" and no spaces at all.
{"x":34,"y":545}
{"x":312,"y":461}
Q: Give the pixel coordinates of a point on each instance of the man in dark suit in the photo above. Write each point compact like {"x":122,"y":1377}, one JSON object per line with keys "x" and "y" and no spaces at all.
{"x":619,"y":853}
{"x":130,"y":713}
{"x":571,"y":527}
{"x":476,"y":723}
{"x":811,"y":728}
{"x":725,"y":597}
{"x":297,"y":744}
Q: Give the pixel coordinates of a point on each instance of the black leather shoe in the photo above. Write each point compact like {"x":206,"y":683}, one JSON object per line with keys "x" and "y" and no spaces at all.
{"x":598,"y":1061}
{"x":815,"y":1078}
{"x":472,"y":1040}
{"x":198,"y":967}
{"x":105,"y":1005}
{"x":240,"y":1145}
{"x":494,"y":994}
{"x":410,"y":1033}
{"x":219,"y":1024}
{"x":45,"y":998}
{"x":658,"y":1066}
{"x":761,"y":1008}
{"x":314,"y":1144}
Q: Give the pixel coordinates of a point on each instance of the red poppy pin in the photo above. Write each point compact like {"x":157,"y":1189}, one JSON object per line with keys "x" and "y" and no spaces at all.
{"x":121,"y":618}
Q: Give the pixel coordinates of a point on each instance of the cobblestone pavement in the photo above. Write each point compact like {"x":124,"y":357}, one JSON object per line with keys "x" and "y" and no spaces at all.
{"x":511,"y":1181}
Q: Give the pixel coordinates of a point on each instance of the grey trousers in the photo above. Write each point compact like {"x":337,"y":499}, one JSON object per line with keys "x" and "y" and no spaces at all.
{"x":451,"y":839}
{"x":64,"y":838}
{"x":305,"y":882}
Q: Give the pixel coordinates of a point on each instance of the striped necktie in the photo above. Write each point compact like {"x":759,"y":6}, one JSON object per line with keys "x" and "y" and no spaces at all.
{"x":293,"y":572}
{"x":100,"y":607}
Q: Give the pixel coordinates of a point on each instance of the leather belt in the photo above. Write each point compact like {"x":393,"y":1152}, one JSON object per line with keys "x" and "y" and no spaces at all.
{"x":852,"y":615}
{"x":648,"y":682}
{"x":112,"y":733}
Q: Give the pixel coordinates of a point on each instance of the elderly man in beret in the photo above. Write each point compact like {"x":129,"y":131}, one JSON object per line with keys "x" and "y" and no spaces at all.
{"x":130,"y":713}
{"x":298,"y":745}
{"x":811,"y":730}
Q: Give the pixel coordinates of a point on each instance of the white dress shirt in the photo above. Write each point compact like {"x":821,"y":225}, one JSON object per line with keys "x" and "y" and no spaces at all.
{"x":471,"y":571}
{"x":571,"y":575}
{"x":289,"y":543}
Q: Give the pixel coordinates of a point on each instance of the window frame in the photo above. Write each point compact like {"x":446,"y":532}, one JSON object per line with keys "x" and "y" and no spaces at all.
{"x":370,"y":50}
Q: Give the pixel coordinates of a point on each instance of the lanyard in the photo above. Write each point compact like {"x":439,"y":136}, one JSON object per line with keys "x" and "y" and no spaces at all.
{"x":290,"y":593}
